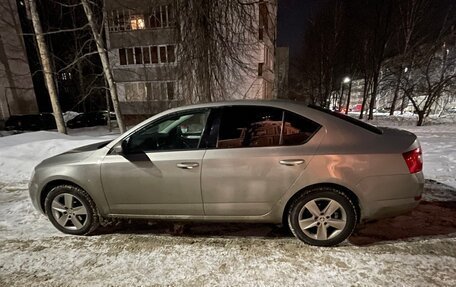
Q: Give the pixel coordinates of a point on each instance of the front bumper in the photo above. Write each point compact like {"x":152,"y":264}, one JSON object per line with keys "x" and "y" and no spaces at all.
{"x":33,"y":188}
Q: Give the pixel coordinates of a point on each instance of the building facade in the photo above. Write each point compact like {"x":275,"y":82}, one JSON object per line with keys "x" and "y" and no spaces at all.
{"x":142,"y":41}
{"x":17,"y":95}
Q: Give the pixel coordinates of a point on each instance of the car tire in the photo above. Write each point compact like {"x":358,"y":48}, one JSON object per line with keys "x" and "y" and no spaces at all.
{"x":322,"y":217}
{"x":71,"y":210}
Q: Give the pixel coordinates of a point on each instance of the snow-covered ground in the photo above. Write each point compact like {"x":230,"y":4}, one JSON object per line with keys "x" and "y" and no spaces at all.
{"x":416,"y":249}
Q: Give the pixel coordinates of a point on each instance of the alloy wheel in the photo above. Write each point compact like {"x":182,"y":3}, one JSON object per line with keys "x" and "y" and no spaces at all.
{"x":69,"y":211}
{"x":322,"y":218}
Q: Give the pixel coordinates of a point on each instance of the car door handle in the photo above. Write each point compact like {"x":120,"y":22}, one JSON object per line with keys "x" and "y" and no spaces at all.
{"x":291,"y":162}
{"x":187,"y":165}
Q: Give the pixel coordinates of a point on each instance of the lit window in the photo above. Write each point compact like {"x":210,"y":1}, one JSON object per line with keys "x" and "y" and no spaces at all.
{"x":137,"y":22}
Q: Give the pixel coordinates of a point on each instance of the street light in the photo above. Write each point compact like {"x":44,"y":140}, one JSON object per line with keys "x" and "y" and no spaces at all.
{"x":346,"y":80}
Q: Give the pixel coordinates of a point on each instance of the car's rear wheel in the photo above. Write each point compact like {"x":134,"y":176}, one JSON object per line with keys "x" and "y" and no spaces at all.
{"x":71,"y":210}
{"x":322,"y":217}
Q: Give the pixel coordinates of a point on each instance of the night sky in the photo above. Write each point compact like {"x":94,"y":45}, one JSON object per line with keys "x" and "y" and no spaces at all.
{"x":293,"y":18}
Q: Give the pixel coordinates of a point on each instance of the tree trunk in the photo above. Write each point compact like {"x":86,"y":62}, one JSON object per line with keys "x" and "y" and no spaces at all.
{"x":105,"y":63}
{"x":373,"y":98}
{"x":348,"y":97}
{"x":108,"y":110}
{"x":420,"y":118}
{"x":47,"y":68}
{"x":365,"y":94}
{"x":339,"y":108}
{"x":396,"y":92}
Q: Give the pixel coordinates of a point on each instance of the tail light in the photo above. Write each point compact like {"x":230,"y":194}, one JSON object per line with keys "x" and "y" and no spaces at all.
{"x":414,"y":160}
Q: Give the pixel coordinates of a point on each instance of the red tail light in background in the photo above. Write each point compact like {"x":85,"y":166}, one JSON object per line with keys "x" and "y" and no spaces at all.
{"x":414,"y":160}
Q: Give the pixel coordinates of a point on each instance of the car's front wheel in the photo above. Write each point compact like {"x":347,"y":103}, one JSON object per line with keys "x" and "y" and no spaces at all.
{"x":322,"y":217}
{"x":71,"y":210}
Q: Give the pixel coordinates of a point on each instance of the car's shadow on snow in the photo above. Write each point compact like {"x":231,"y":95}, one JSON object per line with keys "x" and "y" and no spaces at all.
{"x":197,"y":229}
{"x":435,"y":216}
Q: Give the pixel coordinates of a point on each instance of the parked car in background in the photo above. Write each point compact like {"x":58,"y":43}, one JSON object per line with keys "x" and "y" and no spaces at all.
{"x":90,"y":119}
{"x":317,"y":171}
{"x":356,"y":108}
{"x":32,"y":122}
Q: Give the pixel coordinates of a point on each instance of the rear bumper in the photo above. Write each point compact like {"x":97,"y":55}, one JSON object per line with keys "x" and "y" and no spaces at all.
{"x":388,"y":196}
{"x":390,"y":208}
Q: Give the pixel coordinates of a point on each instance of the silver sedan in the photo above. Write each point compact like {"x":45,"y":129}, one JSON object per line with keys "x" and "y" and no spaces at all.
{"x":317,"y":171}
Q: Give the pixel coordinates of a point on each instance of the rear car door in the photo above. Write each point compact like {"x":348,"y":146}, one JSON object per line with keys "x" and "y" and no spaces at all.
{"x":258,"y":153}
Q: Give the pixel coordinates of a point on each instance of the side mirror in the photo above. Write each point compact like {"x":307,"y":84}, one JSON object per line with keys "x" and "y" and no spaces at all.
{"x":124,"y":146}
{"x":117,"y":149}
{"x":121,"y":148}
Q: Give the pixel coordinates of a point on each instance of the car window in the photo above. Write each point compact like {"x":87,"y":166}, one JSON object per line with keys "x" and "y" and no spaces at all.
{"x":253,"y":126}
{"x":248,"y":126}
{"x":349,"y":119}
{"x":297,"y":129}
{"x":177,"y":132}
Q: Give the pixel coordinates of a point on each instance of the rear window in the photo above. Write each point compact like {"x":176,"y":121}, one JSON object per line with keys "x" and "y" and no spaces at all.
{"x":349,"y":119}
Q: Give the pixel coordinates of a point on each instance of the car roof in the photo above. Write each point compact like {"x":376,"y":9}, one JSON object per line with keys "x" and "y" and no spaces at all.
{"x":339,"y":128}
{"x":282,"y":103}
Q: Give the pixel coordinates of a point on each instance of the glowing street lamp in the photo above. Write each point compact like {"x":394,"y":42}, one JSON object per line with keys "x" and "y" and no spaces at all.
{"x":346,"y":80}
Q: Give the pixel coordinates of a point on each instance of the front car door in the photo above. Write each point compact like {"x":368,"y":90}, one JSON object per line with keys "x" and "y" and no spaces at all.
{"x":258,"y":154}
{"x":158,"y":171}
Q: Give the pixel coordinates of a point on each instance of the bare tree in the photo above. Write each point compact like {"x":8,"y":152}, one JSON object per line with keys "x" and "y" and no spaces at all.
{"x":323,"y":51}
{"x":432,"y":75}
{"x":216,"y":43}
{"x":97,"y":35}
{"x":409,"y":17}
{"x":47,"y":68}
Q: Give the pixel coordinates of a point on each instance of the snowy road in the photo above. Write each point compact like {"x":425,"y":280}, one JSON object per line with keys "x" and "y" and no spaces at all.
{"x":416,"y":249}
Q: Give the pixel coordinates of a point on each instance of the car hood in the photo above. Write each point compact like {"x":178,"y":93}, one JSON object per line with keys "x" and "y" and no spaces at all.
{"x":75,"y":155}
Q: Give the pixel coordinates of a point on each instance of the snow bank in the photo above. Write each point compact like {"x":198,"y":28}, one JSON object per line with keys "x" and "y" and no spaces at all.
{"x":19,"y":154}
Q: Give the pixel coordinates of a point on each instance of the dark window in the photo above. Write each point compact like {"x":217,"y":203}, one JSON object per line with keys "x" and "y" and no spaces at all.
{"x":171,"y":54}
{"x":138,"y":55}
{"x":178,"y":132}
{"x":349,"y":119}
{"x":297,"y":129}
{"x":146,"y":55}
{"x":122,"y":57}
{"x":170,"y":88}
{"x":163,"y":54}
{"x":246,"y":126}
{"x":163,"y":16}
{"x":170,"y":16}
{"x":263,"y":16}
{"x":154,"y":54}
{"x":155,"y":19}
{"x":130,"y":56}
{"x":260,"y":69}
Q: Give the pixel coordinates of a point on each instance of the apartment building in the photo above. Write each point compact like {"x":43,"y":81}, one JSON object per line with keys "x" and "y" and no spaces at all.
{"x":142,"y":40}
{"x":17,"y":95}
